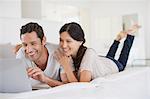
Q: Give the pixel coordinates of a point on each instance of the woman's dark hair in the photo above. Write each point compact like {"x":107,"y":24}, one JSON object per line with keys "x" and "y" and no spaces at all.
{"x":30,"y":27}
{"x":77,"y":33}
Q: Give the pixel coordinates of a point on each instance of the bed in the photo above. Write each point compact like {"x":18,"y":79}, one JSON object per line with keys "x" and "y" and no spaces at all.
{"x":132,"y":83}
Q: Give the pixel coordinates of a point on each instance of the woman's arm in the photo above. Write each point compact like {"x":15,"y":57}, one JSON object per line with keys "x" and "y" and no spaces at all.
{"x":70,"y":75}
{"x":64,"y":78}
{"x":66,"y":63}
{"x":85,"y":76}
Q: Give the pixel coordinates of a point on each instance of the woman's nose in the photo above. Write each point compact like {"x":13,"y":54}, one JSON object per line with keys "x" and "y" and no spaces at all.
{"x":64,"y":44}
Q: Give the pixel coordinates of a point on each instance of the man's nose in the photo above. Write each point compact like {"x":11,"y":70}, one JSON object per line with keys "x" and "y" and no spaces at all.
{"x":28,"y":48}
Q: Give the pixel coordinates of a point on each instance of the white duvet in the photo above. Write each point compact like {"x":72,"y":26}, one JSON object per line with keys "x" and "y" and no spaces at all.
{"x":133,"y":83}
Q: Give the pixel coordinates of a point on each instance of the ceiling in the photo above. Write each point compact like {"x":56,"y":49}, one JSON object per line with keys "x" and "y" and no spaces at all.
{"x":94,"y":0}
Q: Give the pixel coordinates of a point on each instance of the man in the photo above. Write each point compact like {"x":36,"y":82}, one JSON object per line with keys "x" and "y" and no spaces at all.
{"x":38,"y":55}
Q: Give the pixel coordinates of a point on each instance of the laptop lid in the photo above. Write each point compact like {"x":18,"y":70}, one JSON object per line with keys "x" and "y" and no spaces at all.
{"x":13,"y":76}
{"x":6,"y":51}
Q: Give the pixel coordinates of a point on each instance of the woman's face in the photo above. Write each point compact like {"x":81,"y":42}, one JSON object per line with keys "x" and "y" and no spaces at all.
{"x":68,"y":44}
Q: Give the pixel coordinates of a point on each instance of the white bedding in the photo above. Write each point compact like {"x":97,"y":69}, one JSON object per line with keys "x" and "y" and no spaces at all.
{"x":133,"y":83}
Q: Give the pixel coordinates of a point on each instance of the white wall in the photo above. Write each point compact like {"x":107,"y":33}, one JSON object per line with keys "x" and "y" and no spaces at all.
{"x":102,"y":20}
{"x":10,"y":8}
{"x":10,"y":29}
{"x":110,"y":13}
{"x":92,"y":15}
{"x":31,"y":9}
{"x":147,"y":40}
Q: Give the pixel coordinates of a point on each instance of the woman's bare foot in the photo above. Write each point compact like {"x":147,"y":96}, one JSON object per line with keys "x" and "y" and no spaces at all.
{"x":133,"y":29}
{"x":121,"y":35}
{"x":130,"y":31}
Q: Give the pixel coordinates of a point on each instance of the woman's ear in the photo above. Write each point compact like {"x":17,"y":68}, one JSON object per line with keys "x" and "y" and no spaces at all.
{"x":81,"y":43}
{"x":44,"y":40}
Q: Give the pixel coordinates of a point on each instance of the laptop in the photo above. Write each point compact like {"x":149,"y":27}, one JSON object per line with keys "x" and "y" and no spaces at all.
{"x":6,"y":51}
{"x":13,"y":76}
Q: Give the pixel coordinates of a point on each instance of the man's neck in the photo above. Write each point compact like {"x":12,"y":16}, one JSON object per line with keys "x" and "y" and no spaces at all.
{"x":42,"y":62}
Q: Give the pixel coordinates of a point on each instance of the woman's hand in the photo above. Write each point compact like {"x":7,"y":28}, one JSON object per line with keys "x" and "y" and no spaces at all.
{"x":67,"y":63}
{"x":64,"y":61}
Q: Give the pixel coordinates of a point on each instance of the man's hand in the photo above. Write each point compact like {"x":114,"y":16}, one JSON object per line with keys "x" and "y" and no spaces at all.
{"x":36,"y":73}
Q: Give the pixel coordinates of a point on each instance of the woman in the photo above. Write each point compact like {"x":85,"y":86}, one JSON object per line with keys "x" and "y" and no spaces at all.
{"x":87,"y":64}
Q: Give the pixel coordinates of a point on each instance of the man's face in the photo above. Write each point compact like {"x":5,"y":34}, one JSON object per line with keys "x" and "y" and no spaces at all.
{"x":32,"y":45}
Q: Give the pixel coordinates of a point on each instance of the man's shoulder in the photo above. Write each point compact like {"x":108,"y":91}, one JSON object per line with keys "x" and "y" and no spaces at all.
{"x":51,"y":46}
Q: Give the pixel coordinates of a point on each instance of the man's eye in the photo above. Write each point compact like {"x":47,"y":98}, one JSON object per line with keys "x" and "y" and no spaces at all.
{"x":34,"y":43}
{"x":24,"y":45}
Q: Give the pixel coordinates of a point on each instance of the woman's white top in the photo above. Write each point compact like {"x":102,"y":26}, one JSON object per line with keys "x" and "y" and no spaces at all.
{"x":97,"y":65}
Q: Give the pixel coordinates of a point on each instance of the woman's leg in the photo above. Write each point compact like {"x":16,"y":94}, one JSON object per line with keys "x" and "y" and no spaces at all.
{"x":123,"y":58}
{"x":112,"y":51}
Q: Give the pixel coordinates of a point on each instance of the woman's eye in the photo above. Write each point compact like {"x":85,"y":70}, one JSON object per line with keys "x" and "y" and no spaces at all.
{"x":68,"y":41}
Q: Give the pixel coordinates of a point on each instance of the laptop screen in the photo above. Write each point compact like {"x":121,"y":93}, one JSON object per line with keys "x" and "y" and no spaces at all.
{"x":13,"y":76}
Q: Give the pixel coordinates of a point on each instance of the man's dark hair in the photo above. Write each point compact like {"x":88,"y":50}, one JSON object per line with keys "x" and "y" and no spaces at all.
{"x":30,"y":27}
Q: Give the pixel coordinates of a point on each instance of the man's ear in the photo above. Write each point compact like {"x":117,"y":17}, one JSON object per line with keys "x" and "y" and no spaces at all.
{"x":44,"y":40}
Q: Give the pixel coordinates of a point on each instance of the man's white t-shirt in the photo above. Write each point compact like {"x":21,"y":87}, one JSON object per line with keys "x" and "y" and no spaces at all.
{"x":53,"y":67}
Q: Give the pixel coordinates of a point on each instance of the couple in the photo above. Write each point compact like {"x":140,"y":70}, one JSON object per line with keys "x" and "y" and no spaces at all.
{"x":71,"y":61}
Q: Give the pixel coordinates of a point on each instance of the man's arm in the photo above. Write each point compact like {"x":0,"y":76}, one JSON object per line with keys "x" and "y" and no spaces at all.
{"x":37,"y":74}
{"x":52,"y":82}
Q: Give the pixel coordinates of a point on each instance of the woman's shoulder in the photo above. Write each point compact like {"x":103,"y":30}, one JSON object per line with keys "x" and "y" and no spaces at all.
{"x":90,"y":51}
